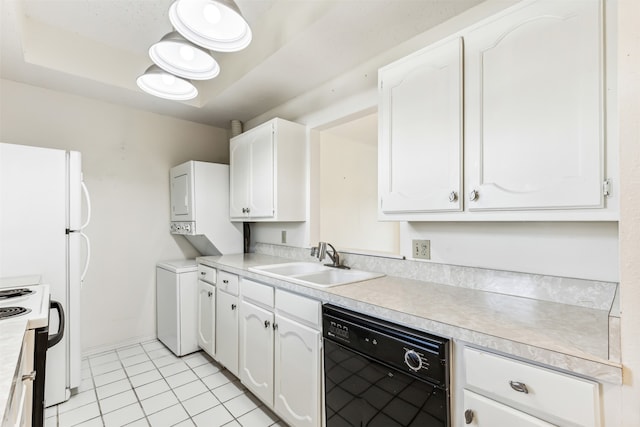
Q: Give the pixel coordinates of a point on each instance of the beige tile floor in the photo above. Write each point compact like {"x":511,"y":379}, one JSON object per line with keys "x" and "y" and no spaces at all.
{"x":147,"y":385}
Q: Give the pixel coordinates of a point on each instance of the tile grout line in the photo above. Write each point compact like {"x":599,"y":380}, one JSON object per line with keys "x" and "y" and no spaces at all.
{"x":184,"y":359}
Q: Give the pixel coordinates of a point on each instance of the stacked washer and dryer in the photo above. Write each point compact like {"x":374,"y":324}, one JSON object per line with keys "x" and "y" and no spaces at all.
{"x":200,"y":213}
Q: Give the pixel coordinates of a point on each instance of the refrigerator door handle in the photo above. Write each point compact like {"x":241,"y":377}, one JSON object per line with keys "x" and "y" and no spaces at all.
{"x":86,"y":263}
{"x":85,"y":191}
{"x":55,"y":339}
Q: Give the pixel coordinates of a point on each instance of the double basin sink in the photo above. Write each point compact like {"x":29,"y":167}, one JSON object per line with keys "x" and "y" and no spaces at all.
{"x":314,"y":274}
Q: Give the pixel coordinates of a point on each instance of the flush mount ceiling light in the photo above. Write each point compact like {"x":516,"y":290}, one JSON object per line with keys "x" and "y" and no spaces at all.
{"x":181,"y":57}
{"x":214,"y":24}
{"x":158,"y":82}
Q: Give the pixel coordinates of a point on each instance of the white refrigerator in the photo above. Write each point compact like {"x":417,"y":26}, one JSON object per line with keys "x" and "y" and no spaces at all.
{"x":41,"y":192}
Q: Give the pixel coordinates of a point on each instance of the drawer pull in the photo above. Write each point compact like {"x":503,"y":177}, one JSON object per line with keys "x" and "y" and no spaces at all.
{"x":468,"y":416}
{"x":225,"y":281}
{"x":519,"y":387}
{"x":203,"y":273}
{"x":267,"y":323}
{"x":233,"y":306}
{"x":31,"y":376}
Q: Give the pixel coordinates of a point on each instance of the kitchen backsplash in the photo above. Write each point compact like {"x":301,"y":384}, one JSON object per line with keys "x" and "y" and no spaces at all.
{"x":584,"y":293}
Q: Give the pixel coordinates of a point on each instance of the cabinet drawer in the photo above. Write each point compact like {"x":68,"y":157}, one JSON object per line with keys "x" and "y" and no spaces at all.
{"x":573,"y":400}
{"x":228,"y":282}
{"x":207,"y":274}
{"x":300,"y":308}
{"x":486,"y":412}
{"x":257,"y":292}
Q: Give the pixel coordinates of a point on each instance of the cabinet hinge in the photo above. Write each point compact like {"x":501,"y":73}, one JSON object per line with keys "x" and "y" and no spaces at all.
{"x":606,"y":187}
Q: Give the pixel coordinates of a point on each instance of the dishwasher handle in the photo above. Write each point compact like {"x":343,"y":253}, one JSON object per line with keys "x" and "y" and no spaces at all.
{"x":55,"y":339}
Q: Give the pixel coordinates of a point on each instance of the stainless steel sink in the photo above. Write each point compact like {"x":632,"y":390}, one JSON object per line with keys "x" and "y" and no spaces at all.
{"x":314,"y":274}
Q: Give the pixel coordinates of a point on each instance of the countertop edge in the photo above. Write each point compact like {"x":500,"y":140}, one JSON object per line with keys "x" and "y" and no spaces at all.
{"x":11,"y":337}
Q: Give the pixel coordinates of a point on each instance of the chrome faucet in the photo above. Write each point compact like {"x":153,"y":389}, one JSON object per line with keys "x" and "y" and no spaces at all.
{"x":320,"y":252}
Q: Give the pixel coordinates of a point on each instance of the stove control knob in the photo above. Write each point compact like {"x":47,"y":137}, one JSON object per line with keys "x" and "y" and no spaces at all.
{"x":413,"y":360}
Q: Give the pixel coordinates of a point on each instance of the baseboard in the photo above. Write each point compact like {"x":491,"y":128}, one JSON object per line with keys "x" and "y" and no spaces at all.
{"x":92,"y":351}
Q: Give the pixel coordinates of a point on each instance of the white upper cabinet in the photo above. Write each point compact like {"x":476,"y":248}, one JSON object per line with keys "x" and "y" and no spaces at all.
{"x":536,"y":144}
{"x":534,"y":108}
{"x":268,"y":173}
{"x":420,"y":127}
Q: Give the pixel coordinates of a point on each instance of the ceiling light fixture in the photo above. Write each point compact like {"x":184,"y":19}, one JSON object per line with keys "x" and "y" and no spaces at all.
{"x":175,"y":54}
{"x":158,"y":82}
{"x":213,"y":24}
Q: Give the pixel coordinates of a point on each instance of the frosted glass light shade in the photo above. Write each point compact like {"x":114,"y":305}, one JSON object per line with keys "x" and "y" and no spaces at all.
{"x":213,"y":24}
{"x":181,"y":57}
{"x":158,"y":82}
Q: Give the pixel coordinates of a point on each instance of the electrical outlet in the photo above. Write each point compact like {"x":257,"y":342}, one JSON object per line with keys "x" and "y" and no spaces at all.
{"x":284,"y":237}
{"x":422,"y":249}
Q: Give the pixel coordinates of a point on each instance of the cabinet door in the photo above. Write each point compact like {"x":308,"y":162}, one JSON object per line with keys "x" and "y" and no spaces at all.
{"x":239,"y":176}
{"x":534,"y":113}
{"x":261,"y":193}
{"x":420,"y":146}
{"x":297,"y":373}
{"x":227,"y":330}
{"x":485,"y":412}
{"x":256,"y":350}
{"x":206,"y":317}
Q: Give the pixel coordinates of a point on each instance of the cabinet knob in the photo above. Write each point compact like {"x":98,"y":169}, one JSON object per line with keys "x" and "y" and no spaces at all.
{"x":233,"y":306}
{"x":275,"y":326}
{"x":519,"y":387}
{"x":468,"y":416}
{"x":244,"y":210}
{"x":267,"y":323}
{"x":225,"y":281}
{"x":209,"y":293}
{"x":203,"y":273}
{"x":473,"y":196}
{"x":453,"y":196}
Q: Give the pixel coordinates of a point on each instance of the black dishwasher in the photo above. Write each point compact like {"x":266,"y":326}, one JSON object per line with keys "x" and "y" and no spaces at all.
{"x":380,"y":374}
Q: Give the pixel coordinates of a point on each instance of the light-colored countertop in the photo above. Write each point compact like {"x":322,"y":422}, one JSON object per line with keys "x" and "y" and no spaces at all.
{"x":11,"y":336}
{"x":564,"y":336}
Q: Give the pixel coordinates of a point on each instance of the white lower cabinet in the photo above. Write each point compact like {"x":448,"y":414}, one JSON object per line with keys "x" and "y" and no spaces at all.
{"x":483,"y":412}
{"x":256,"y":350}
{"x":227,"y":330}
{"x":206,"y":317}
{"x":227,"y":321}
{"x":280,"y":352}
{"x":297,"y":373}
{"x":500,"y":391}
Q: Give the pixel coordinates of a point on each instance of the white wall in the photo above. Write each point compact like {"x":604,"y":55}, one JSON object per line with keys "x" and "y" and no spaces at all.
{"x":126,"y":157}
{"x":585,"y":250}
{"x":629,"y":124}
{"x":348,"y":183}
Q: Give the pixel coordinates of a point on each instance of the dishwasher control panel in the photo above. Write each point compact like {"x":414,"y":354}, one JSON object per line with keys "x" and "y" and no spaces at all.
{"x":409,"y":350}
